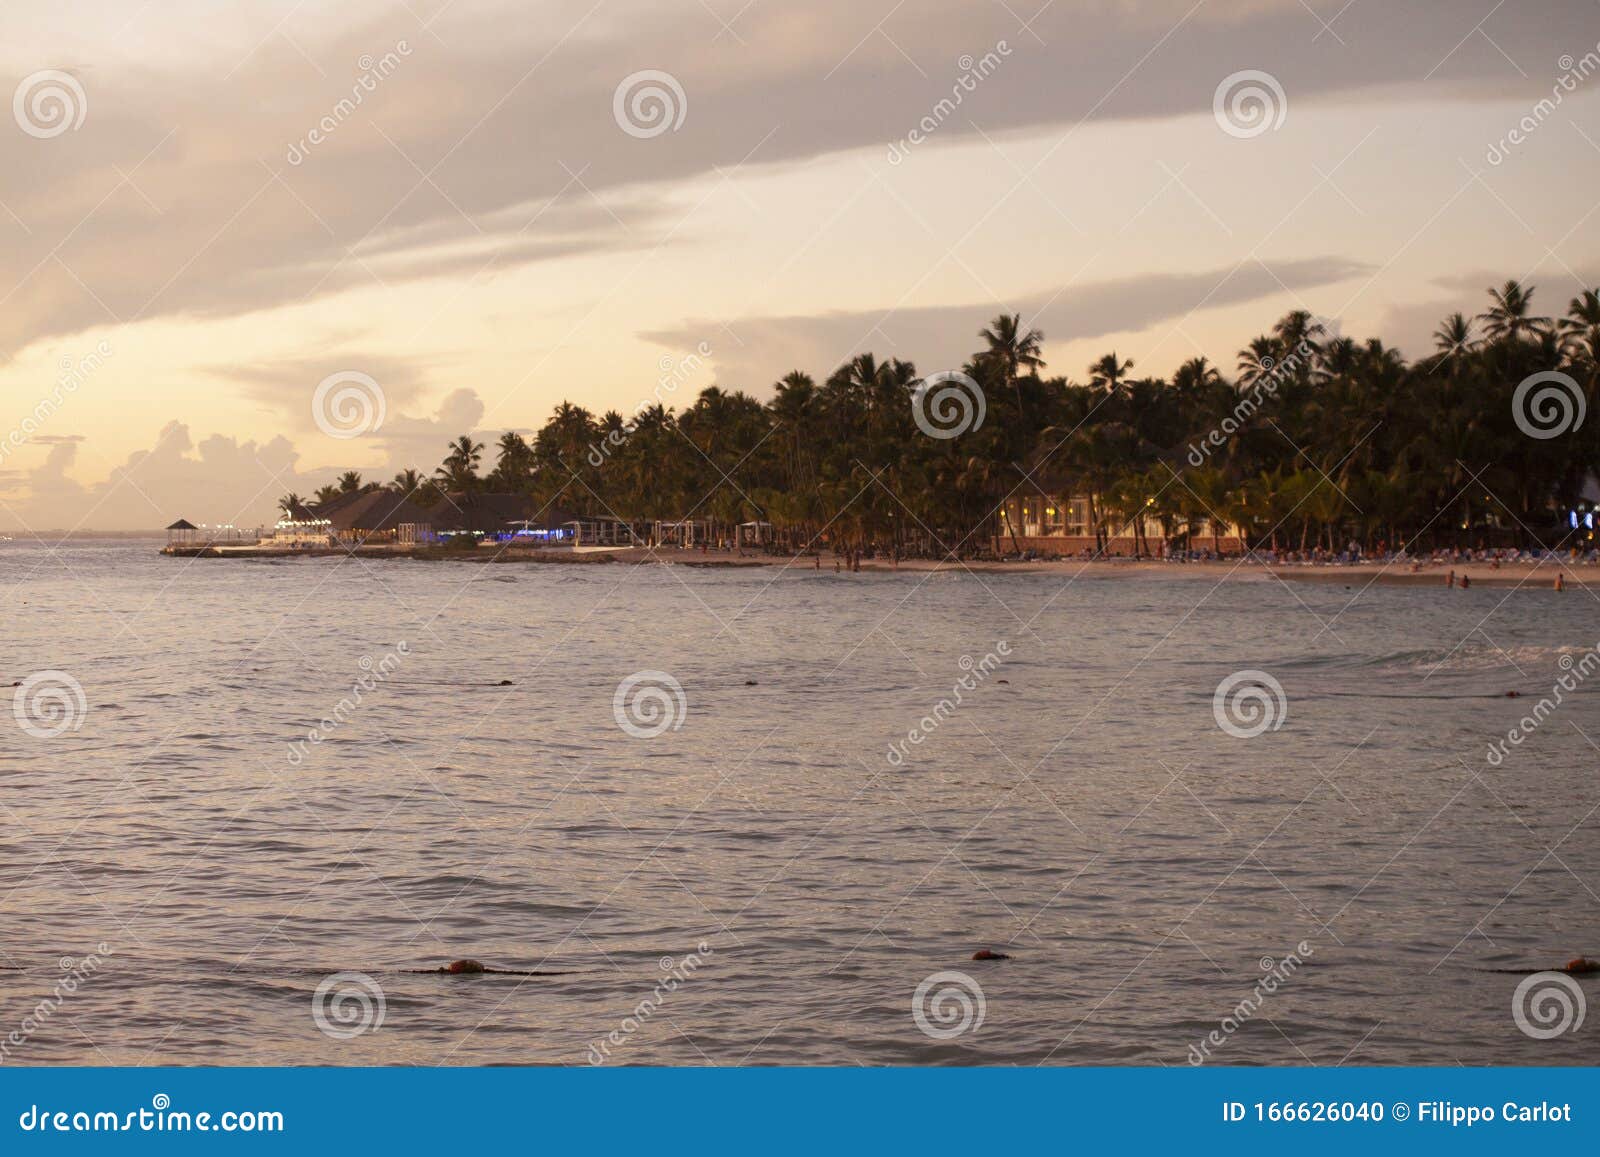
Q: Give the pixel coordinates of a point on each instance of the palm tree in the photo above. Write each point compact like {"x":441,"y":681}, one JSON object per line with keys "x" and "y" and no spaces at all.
{"x":459,"y":470}
{"x":1258,"y":359}
{"x":1195,"y":377}
{"x":408,"y":481}
{"x":1580,"y":329}
{"x":1298,"y":332}
{"x":841,"y":461}
{"x":327,"y":494}
{"x":290,"y":503}
{"x":349,"y":482}
{"x":1013,"y":349}
{"x":1108,"y":373}
{"x":514,"y":468}
{"x":1204,"y":496}
{"x":1510,"y":317}
{"x":1454,"y":335}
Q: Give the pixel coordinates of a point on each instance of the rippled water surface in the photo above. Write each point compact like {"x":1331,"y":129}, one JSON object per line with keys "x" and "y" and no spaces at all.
{"x":1080,"y":809}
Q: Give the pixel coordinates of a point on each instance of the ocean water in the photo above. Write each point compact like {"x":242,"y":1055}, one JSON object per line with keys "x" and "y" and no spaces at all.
{"x":763,"y":882}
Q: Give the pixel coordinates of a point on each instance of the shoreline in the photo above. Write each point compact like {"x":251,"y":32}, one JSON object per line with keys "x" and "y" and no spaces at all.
{"x":1540,"y":574}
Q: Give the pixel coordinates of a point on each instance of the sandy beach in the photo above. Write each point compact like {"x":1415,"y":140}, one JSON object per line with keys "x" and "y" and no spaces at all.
{"x":1534,"y":575}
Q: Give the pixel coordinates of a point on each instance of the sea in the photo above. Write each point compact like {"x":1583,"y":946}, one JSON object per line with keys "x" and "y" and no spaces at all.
{"x":768,"y":815}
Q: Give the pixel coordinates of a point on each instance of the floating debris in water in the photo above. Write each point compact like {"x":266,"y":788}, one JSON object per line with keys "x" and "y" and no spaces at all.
{"x":477,"y":967}
{"x":985,"y":954}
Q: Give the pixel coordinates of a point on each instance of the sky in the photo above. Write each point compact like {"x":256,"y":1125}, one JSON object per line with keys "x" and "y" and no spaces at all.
{"x":458,"y":213}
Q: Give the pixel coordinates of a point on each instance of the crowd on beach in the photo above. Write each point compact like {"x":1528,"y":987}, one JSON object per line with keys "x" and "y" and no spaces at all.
{"x":1350,"y":556}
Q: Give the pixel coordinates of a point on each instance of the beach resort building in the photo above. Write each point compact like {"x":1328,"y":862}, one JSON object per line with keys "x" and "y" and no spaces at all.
{"x":686,"y":533}
{"x":1050,"y":524}
{"x":482,"y":514}
{"x":599,"y":530}
{"x":375,"y":517}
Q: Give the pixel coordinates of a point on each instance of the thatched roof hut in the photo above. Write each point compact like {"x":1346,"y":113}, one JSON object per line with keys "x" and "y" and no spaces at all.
{"x":374,"y":513}
{"x":338,"y":502}
{"x":462,"y":512}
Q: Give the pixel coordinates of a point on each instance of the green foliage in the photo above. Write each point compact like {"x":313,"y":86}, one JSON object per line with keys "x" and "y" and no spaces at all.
{"x":1321,"y":439}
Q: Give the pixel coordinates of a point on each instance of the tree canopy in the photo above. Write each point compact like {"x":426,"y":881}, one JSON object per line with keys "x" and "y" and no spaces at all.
{"x":1319,"y":438}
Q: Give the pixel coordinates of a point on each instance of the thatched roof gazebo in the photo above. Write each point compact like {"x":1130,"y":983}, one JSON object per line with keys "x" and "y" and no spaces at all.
{"x":182,"y":533}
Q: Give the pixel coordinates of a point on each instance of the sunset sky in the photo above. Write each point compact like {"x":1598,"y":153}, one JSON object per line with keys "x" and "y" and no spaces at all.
{"x":483,"y":238}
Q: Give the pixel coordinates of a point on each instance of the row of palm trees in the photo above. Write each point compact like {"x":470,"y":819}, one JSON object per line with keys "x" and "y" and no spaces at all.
{"x":1343,"y":440}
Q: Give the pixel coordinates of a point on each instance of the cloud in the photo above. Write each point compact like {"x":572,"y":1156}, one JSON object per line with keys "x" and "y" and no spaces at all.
{"x":763,"y":349}
{"x":1410,"y":327}
{"x":420,"y":442}
{"x":286,"y":386}
{"x":491,"y":141}
{"x":216,"y":481}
